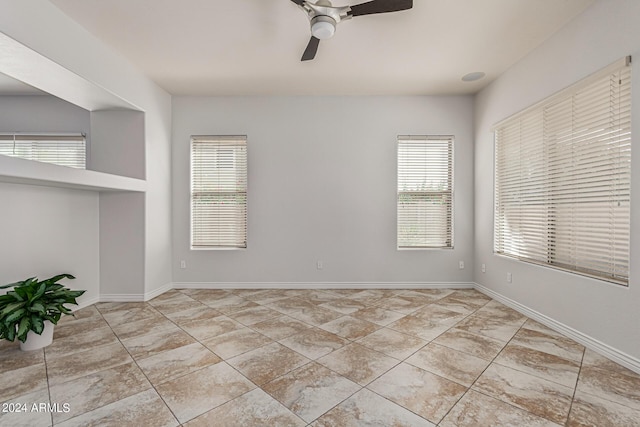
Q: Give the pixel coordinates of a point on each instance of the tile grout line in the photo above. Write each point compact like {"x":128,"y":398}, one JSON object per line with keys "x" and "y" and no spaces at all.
{"x":637,"y":409}
{"x":469,"y":387}
{"x":257,"y":386}
{"x":46,"y":370}
{"x":92,"y":373}
{"x":318,"y":363}
{"x":187,"y":373}
{"x":575,"y":389}
{"x":222,"y":360}
{"x":489,"y":365}
{"x":535,"y":374}
{"x":406,"y":358}
{"x":141,"y":370}
{"x":400,"y":361}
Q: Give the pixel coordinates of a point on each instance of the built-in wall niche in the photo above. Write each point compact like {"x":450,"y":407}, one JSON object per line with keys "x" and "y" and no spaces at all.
{"x":114,"y":140}
{"x":35,"y":119}
{"x":39,"y":95}
{"x":114,"y":144}
{"x":100,"y":233}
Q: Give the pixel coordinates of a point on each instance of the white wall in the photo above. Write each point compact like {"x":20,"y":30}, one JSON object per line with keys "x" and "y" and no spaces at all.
{"x":42,"y":27}
{"x":119,"y":148}
{"x":42,"y":113}
{"x":47,"y":231}
{"x":118,"y":142}
{"x":322,"y":186}
{"x":121,"y":245}
{"x":608,"y":313}
{"x":157,"y":207}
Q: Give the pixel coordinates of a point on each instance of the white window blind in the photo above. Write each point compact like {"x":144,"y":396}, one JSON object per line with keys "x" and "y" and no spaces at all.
{"x":218,"y":192}
{"x":425,"y":192}
{"x":562,"y":178}
{"x":60,"y":149}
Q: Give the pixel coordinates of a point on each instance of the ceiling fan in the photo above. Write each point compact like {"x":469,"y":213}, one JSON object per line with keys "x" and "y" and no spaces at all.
{"x":324,"y":17}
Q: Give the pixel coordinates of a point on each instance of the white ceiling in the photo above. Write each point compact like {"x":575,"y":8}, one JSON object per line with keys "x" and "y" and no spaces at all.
{"x":253,"y":47}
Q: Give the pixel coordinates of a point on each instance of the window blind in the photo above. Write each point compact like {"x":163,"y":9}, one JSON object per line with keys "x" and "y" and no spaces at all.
{"x":425,"y":192}
{"x":562,"y":178}
{"x":218,"y":192}
{"x":63,"y":149}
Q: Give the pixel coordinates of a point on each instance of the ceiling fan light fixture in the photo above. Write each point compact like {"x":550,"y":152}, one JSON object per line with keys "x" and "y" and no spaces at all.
{"x":323,"y":27}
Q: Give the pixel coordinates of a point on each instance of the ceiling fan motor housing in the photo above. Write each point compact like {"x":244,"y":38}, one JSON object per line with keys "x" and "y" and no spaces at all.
{"x":323,"y":27}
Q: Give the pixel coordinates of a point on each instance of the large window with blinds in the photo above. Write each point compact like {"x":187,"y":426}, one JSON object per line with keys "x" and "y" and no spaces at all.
{"x":218,"y":192}
{"x":425,"y":192}
{"x":60,"y":149}
{"x":562,"y":178}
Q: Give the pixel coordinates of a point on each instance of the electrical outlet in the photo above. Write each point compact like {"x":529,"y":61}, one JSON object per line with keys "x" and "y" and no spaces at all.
{"x":484,"y":268}
{"x":461,"y":265}
{"x":509,"y":278}
{"x":320,"y":265}
{"x":183,"y":264}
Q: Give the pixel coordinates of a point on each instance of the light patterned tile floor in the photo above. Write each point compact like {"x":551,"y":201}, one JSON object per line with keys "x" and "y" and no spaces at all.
{"x":346,"y":357}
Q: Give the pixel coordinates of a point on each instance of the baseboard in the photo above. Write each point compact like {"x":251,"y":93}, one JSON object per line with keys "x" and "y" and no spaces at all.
{"x":86,"y":303}
{"x":135,"y":297}
{"x":159,"y":291}
{"x":584,"y":339}
{"x":122,"y":297}
{"x":322,"y":285}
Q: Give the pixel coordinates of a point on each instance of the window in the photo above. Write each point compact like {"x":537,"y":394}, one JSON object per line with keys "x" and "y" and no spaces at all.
{"x":425,"y":192}
{"x":60,"y":149}
{"x":562,"y":178}
{"x":218,"y":192}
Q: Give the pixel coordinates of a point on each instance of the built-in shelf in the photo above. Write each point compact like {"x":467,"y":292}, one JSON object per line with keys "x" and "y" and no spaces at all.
{"x":21,"y":171}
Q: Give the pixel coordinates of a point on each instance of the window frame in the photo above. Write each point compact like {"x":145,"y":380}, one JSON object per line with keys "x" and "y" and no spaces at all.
{"x":233,"y":141}
{"x":449,"y":242}
{"x":555,"y":258}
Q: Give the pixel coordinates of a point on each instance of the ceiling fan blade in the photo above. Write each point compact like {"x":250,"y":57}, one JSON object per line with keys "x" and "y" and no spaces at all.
{"x":312,"y":48}
{"x":380,"y":6}
{"x":298,"y":2}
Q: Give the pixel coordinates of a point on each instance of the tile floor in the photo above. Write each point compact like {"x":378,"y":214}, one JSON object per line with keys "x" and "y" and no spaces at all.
{"x":312,"y":358}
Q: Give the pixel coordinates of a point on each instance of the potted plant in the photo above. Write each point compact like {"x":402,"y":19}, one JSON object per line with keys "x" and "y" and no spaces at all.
{"x":29,"y":311}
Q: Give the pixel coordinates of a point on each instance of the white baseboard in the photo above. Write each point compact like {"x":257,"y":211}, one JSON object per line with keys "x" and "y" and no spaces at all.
{"x":159,"y":291}
{"x":122,"y":298}
{"x":584,"y":339}
{"x":135,"y":297}
{"x":86,"y":303}
{"x":322,"y":285}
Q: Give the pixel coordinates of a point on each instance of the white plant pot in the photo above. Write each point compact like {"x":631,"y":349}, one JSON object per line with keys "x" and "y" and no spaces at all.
{"x":35,"y":341}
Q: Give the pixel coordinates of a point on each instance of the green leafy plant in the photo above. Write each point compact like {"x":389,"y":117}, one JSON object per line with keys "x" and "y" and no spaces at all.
{"x":31,"y":302}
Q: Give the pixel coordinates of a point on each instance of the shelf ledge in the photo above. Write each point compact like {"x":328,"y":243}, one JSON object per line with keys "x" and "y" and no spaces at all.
{"x":21,"y":171}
